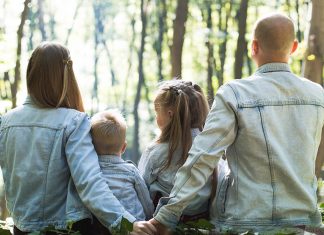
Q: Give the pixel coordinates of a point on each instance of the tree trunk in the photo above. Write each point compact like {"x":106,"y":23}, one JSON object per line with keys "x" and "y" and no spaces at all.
{"x":210,"y":55}
{"x":94,"y":95}
{"x":32,"y":27}
{"x":241,"y":42}
{"x":178,"y":37}
{"x":73,"y":22}
{"x":162,"y":13}
{"x":223,"y":45}
{"x":41,"y":19}
{"x":140,"y":82}
{"x":15,"y":84}
{"x":131,"y":49}
{"x":313,"y":64}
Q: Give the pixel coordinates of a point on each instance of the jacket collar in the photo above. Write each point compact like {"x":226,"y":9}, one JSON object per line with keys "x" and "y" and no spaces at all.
{"x":273,"y":67}
{"x":110,"y":159}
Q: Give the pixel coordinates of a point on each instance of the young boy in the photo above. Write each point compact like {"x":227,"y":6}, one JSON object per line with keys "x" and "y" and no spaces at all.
{"x":108,"y":130}
{"x":269,"y":128}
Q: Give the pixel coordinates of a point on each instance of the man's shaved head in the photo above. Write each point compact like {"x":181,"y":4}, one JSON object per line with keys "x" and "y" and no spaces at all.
{"x":275,"y":33}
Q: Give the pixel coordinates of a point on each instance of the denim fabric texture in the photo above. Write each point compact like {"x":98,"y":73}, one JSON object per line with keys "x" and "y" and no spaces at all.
{"x":269,"y":128}
{"x":51,"y":170}
{"x":162,"y":180}
{"x":127,"y":185}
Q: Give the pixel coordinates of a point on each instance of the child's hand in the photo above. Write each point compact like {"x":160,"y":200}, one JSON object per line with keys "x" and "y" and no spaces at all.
{"x":162,"y":230}
{"x":143,"y":228}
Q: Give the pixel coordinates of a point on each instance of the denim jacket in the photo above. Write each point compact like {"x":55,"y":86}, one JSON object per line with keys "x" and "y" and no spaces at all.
{"x":128,"y":186}
{"x":162,"y":180}
{"x":269,"y":128}
{"x":49,"y":165}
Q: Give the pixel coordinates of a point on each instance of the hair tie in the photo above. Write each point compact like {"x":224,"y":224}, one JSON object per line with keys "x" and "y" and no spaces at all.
{"x":68,"y":62}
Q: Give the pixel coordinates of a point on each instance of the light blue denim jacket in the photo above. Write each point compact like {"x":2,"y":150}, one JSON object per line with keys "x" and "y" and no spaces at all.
{"x":45,"y":156}
{"x":158,"y":180}
{"x":269,"y":128}
{"x":128,"y":186}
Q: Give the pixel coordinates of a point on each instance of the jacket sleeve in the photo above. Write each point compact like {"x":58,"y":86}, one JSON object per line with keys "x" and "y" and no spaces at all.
{"x":85,"y":171}
{"x":146,"y":167}
{"x":219,"y":133}
{"x":143,"y":195}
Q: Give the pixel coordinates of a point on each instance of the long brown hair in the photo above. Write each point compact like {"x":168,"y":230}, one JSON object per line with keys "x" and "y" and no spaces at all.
{"x":190,"y":109}
{"x":50,"y":78}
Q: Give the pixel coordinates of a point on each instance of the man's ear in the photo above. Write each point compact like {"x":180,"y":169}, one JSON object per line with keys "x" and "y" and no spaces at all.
{"x":254,"y":47}
{"x":294,"y":47}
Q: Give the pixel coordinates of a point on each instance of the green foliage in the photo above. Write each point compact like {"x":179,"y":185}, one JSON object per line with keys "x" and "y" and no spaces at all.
{"x":198,"y":227}
{"x":125,"y":228}
{"x":4,"y":231}
{"x":67,"y":231}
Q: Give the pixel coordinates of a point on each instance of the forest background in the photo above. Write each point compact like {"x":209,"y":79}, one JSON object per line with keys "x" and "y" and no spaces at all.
{"x":122,"y":49}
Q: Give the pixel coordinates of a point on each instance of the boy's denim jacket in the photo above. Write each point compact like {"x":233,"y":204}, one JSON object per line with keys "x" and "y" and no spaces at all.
{"x":48,"y":161}
{"x":128,"y":186}
{"x":269,"y":128}
{"x":162,"y":180}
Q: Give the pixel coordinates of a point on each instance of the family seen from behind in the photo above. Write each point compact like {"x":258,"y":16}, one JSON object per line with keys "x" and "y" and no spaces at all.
{"x":248,"y":163}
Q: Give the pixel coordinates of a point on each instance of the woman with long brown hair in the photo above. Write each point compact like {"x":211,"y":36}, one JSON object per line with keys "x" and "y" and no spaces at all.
{"x":50,"y":168}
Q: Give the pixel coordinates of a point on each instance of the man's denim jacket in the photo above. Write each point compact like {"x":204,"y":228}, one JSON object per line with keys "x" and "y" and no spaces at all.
{"x":128,"y":186}
{"x":162,"y":180}
{"x":269,"y":128}
{"x":48,"y":161}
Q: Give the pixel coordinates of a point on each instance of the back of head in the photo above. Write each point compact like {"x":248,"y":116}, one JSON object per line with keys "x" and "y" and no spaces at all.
{"x":108,"y":130}
{"x":50,"y":78}
{"x":190,"y":109}
{"x":275,"y":34}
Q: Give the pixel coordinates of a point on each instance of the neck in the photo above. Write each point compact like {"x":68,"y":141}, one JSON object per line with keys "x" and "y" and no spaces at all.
{"x":261,"y":60}
{"x":114,"y":154}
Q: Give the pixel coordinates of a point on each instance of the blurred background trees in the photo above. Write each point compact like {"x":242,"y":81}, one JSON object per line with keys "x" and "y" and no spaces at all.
{"x":122,"y":49}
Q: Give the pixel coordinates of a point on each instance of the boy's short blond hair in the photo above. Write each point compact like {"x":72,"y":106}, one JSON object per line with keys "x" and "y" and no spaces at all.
{"x":108,"y":130}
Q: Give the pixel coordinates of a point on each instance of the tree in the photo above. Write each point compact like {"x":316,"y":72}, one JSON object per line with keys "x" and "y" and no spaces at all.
{"x":179,"y":30}
{"x":314,"y":60}
{"x":162,"y":13}
{"x":75,"y":15}
{"x":40,"y":14}
{"x":17,"y":79}
{"x":241,"y":42}
{"x":207,"y":15}
{"x":141,"y":81}
{"x":223,"y":27}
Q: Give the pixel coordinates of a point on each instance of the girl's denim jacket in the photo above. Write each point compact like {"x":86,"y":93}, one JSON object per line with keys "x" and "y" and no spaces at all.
{"x":128,"y":186}
{"x":49,"y":163}
{"x":162,"y":180}
{"x":269,"y":128}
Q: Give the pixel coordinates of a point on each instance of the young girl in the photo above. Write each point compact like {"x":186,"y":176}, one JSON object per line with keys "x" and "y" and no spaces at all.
{"x":181,"y":109}
{"x":47,"y":156}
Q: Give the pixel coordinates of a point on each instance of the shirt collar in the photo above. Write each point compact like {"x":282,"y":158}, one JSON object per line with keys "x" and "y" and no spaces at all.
{"x":110,"y":159}
{"x":273,"y":67}
{"x":29,"y":100}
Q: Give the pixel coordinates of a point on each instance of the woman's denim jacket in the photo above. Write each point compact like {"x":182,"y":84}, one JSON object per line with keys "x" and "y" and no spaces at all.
{"x":269,"y":128}
{"x":162,"y":180}
{"x":128,"y":186}
{"x":48,"y":161}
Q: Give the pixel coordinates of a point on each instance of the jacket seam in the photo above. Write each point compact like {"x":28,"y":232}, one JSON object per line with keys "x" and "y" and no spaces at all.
{"x":271,"y":168}
{"x":46,"y":176}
